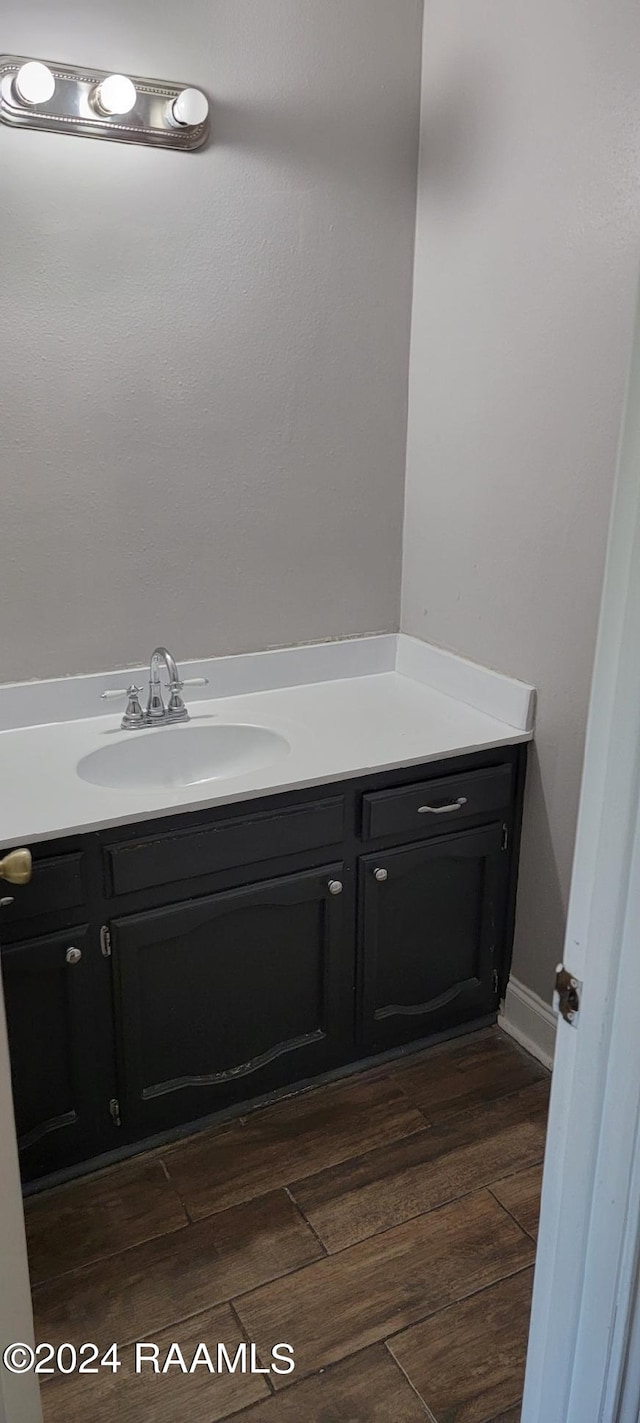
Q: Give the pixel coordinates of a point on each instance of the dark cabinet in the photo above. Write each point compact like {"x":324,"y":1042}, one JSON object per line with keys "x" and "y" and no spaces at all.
{"x":179,"y":856}
{"x":432,"y":926}
{"x":48,"y":1000}
{"x":423,"y":809}
{"x":226,"y":997}
{"x":160,"y":973}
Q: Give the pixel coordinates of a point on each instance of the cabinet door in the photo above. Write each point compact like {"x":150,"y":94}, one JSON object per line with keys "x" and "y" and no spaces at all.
{"x":223,"y":998}
{"x":431,"y":936}
{"x":48,"y":997}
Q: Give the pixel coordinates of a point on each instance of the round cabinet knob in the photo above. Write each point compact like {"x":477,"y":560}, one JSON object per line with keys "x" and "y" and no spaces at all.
{"x":73,"y":955}
{"x":16,"y":867}
{"x":381,"y":875}
{"x":335,"y":886}
{"x":7,"y":901}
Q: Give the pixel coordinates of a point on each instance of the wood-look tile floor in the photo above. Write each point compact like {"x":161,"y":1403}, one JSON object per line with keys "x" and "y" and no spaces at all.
{"x":383,"y":1226}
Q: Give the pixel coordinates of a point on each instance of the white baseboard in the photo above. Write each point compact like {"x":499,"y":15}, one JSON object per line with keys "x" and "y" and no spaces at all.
{"x":529,"y":1020}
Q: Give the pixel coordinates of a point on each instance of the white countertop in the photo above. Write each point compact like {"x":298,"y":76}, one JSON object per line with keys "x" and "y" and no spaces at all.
{"x":336,"y":728}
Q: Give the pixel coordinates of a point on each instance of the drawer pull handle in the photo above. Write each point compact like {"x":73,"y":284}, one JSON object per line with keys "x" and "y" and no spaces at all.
{"x":73,"y":956}
{"x":442,"y":809}
{"x":381,"y":875}
{"x":335,"y":886}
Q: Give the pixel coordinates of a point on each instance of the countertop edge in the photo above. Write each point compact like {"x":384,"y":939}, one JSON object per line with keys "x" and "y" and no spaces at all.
{"x":160,"y":812}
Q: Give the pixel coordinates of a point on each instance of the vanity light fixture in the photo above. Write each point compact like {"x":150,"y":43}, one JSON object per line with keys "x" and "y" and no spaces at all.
{"x":191,"y":107}
{"x":34,"y":83}
{"x":64,"y":98}
{"x":115,"y":95}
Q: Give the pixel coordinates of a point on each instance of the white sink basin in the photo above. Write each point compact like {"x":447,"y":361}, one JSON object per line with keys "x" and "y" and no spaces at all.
{"x":175,"y":756}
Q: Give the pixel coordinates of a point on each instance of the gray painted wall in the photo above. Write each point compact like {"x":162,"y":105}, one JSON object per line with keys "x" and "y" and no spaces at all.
{"x":203,"y":390}
{"x":203,"y":386}
{"x":526,"y":264}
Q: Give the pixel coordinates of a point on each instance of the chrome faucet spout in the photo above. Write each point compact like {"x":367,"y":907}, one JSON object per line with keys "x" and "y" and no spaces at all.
{"x":163,"y":654}
{"x":156,"y":713}
{"x":156,"y":710}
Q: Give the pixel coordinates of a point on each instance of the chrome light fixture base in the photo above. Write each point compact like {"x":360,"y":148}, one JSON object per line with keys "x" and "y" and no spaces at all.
{"x":73,"y":108}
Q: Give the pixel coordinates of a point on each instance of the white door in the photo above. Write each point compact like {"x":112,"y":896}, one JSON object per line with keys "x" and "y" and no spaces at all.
{"x":584,"y":1349}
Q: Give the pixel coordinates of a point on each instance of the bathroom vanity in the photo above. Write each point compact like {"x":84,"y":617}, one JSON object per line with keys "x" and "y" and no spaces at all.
{"x":160,"y":972}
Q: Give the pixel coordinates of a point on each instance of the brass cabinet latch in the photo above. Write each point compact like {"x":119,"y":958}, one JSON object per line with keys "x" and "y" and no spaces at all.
{"x":566,"y":999}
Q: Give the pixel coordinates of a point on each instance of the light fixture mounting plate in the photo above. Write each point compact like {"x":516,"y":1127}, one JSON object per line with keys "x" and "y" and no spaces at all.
{"x":71,"y":109}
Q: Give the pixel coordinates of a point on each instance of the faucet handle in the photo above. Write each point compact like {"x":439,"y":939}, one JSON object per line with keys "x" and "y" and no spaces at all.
{"x":134,"y":715}
{"x":118,"y":692}
{"x":176,"y":709}
{"x":178,"y":684}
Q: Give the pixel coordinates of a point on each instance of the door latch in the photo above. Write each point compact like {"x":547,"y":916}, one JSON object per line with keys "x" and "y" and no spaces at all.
{"x":566,"y":999}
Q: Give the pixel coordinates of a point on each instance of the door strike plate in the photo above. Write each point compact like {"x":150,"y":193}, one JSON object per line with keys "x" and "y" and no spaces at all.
{"x":566,"y":998}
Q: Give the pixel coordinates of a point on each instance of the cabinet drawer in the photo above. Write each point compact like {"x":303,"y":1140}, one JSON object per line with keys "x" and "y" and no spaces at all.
{"x":247,"y":840}
{"x":56,"y":885}
{"x":430,"y":806}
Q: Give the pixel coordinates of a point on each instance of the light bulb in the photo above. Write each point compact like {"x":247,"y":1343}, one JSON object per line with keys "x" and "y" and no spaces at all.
{"x":34,"y":83}
{"x":115,"y":95}
{"x":189,"y":109}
